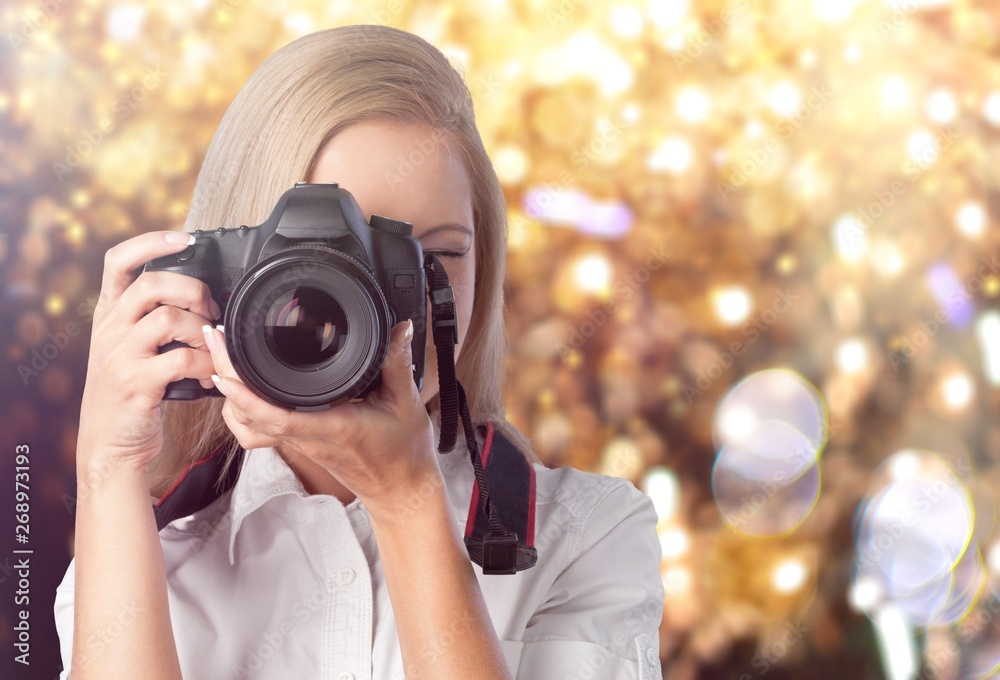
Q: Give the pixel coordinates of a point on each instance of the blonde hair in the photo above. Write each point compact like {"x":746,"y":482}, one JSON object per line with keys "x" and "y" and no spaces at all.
{"x":270,"y":137}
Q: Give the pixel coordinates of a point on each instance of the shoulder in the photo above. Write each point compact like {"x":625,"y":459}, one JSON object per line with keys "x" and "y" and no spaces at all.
{"x":584,"y":508}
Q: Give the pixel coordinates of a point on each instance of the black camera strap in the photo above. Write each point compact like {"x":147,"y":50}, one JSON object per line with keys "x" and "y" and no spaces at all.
{"x":499,"y":533}
{"x":490,"y":544}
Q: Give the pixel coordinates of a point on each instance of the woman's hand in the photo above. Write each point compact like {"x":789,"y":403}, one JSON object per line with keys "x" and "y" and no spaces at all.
{"x":126,"y":375}
{"x":381,"y":448}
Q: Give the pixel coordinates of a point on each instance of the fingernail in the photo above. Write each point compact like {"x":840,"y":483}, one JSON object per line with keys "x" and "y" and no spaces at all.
{"x":221,"y":328}
{"x":408,"y":333}
{"x":178,"y":237}
{"x":213,"y":307}
{"x":209,"y":337}
{"x":218,"y":382}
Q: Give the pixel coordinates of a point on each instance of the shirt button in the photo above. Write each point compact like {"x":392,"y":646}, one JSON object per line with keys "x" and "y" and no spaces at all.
{"x":345,"y":676}
{"x":651,"y":656}
{"x":346,"y":578}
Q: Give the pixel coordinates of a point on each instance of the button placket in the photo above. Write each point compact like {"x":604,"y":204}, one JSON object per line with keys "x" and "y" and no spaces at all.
{"x":349,"y":624}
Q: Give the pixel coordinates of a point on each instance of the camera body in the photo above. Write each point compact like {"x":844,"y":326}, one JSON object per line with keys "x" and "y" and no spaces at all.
{"x":308,"y":298}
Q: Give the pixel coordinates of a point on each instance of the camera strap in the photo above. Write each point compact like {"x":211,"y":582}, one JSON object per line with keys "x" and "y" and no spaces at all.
{"x":500,"y":528}
{"x":498,"y":546}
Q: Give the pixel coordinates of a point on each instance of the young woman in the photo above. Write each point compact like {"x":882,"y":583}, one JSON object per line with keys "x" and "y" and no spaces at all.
{"x":338,"y":553}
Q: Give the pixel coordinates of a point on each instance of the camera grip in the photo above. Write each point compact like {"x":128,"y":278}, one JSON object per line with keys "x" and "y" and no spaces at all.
{"x":185,"y":389}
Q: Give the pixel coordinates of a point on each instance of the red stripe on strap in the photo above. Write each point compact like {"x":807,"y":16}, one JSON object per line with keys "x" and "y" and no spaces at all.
{"x":184,"y":474}
{"x":470,"y":522}
{"x":530,"y":538}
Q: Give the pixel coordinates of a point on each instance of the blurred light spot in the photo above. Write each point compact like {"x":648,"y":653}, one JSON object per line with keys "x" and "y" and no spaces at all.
{"x":674,"y":543}
{"x":584,"y":55}
{"x":299,"y":23}
{"x":759,"y":507}
{"x":993,"y":558}
{"x":850,"y":238}
{"x":950,"y":294}
{"x":971,"y":218}
{"x":754,"y":129}
{"x":622,"y":458}
{"x":789,"y":576}
{"x":668,"y":13}
{"x":55,"y":305}
{"x":673,"y":155}
{"x":991,"y":109}
{"x":833,"y":11}
{"x":124,"y":22}
{"x":942,"y":107}
{"x":786,"y":263}
{"x":593,"y":273}
{"x":692,"y":104}
{"x":676,"y":580}
{"x":914,"y":538}
{"x":852,"y":356}
{"x":903,"y":465}
{"x":631,"y":113}
{"x":896,"y":643}
{"x":988,"y":335}
{"x":895,"y":93}
{"x":864,"y":594}
{"x":736,"y":422}
{"x":594,"y":58}
{"x":887,"y":259}
{"x":732,"y":304}
{"x":662,"y":486}
{"x":775,"y":395}
{"x":957,"y":390}
{"x":921,"y":147}
{"x":626,"y":21}
{"x":511,"y":164}
{"x":607,"y":219}
{"x":852,"y":52}
{"x":784,"y":99}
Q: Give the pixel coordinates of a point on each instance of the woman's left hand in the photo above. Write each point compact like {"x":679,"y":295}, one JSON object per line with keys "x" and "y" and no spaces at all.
{"x":381,"y":448}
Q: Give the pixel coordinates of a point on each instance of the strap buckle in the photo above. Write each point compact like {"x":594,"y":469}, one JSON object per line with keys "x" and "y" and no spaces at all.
{"x":444,"y":314}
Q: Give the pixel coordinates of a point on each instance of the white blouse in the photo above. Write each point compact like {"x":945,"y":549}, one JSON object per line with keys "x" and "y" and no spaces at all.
{"x":271,"y":582}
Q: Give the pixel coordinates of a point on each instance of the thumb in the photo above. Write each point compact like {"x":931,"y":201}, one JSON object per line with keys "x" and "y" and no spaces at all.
{"x":397,"y":370}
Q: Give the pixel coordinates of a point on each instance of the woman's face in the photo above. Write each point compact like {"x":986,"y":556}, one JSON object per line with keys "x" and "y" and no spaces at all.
{"x":409,"y":172}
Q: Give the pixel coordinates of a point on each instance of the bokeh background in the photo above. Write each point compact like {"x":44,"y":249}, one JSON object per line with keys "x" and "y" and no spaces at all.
{"x":754,"y":268}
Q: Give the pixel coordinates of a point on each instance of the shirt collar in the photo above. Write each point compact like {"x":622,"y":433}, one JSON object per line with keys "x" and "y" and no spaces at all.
{"x":264,"y":475}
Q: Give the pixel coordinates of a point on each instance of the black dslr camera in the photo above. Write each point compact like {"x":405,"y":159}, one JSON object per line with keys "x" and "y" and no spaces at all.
{"x":308,"y":298}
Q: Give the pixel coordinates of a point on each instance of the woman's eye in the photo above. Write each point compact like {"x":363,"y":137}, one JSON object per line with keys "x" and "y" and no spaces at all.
{"x":447,"y":253}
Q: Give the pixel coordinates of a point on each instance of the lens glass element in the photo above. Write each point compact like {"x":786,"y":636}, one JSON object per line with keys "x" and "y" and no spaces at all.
{"x":305,"y":327}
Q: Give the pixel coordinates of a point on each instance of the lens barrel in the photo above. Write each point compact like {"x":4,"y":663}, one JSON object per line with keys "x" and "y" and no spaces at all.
{"x":308,"y":328}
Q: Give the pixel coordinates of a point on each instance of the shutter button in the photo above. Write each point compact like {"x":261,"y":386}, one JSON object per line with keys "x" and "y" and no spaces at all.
{"x":186,"y":254}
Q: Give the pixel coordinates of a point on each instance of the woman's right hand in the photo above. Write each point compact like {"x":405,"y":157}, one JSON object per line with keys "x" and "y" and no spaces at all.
{"x":120,"y":418}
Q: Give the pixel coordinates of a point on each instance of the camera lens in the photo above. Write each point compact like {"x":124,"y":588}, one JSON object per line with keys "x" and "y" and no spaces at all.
{"x":308,"y":328}
{"x":305,"y":327}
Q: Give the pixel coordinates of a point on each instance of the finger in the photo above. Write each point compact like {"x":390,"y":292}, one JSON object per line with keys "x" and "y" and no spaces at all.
{"x":175,"y":365}
{"x":166,"y":324}
{"x":397,"y":369}
{"x":248,"y":437}
{"x":215,"y":341}
{"x":153,"y":289}
{"x":121,"y":261}
{"x":255,"y":412}
{"x":163,"y":325}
